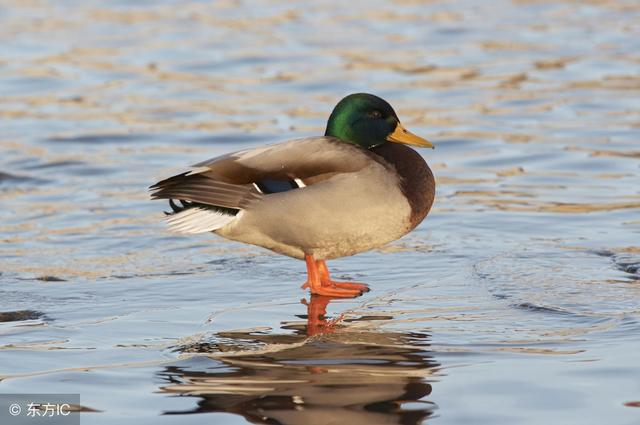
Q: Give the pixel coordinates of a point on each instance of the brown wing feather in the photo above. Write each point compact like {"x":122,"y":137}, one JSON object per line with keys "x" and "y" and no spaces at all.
{"x":313,"y":158}
{"x":227,"y":181}
{"x":204,"y":190}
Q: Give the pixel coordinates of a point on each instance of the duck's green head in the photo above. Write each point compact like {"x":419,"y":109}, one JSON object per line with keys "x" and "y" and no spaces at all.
{"x":369,"y":121}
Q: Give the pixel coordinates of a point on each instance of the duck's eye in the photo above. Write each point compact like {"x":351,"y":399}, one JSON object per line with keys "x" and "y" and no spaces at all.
{"x":376,"y":114}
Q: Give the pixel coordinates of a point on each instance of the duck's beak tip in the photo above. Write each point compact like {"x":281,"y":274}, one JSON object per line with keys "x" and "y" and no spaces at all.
{"x":404,"y":136}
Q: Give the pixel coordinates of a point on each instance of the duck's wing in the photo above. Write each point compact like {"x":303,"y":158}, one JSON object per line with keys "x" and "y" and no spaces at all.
{"x":213,"y":192}
{"x":309,"y":159}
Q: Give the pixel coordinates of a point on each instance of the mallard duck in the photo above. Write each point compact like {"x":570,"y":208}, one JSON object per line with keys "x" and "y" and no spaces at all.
{"x":356,"y":188}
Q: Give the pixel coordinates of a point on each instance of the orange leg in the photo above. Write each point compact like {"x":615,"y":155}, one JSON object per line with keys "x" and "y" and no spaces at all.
{"x":325,"y":278}
{"x":320,"y":286}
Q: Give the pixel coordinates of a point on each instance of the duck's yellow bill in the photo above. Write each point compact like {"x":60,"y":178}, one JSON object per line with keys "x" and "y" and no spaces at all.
{"x":402,"y":135}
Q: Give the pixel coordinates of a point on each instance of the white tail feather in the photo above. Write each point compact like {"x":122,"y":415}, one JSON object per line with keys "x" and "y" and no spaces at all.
{"x":198,"y":220}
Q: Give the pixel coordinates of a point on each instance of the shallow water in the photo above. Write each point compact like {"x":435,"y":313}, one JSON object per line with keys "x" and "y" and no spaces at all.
{"x":516,"y":301}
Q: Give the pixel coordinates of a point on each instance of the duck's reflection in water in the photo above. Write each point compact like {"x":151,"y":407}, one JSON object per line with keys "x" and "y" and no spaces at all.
{"x":340,"y":376}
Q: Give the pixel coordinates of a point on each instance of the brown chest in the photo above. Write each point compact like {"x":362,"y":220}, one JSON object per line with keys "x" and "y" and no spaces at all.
{"x":415,"y":177}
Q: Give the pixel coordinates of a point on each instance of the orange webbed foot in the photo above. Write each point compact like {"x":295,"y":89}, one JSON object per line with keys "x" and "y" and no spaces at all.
{"x":319,"y":282}
{"x":362,"y":287}
{"x":336,"y":291}
{"x":326,"y":281}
